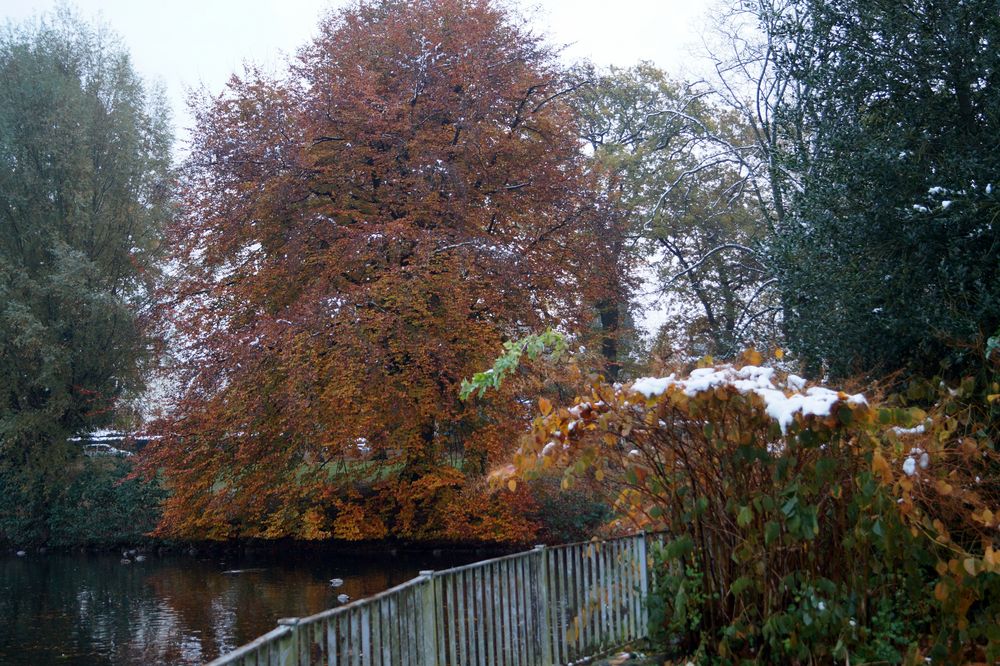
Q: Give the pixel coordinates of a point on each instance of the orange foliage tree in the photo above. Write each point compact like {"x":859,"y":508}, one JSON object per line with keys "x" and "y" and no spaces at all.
{"x":357,"y":237}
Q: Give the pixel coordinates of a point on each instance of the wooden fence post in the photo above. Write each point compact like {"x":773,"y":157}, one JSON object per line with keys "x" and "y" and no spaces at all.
{"x":430,"y":655}
{"x":544,"y":620}
{"x":643,"y":585}
{"x":288,"y":648}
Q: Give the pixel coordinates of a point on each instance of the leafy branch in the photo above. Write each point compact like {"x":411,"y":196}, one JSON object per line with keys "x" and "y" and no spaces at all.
{"x":550,"y":343}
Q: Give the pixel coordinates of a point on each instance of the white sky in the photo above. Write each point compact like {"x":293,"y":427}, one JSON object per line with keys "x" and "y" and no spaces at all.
{"x":184,"y":44}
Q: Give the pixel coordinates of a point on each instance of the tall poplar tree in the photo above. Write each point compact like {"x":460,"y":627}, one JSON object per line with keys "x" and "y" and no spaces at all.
{"x":84,"y":158}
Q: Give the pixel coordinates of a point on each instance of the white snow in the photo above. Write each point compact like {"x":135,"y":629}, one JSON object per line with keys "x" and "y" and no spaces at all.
{"x":910,"y":466}
{"x":795,"y":382}
{"x":651,"y":386}
{"x":916,"y":430}
{"x":946,"y":204}
{"x":782,"y":402}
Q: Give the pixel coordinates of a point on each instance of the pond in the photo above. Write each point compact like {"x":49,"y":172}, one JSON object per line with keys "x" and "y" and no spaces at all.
{"x":91,"y":610}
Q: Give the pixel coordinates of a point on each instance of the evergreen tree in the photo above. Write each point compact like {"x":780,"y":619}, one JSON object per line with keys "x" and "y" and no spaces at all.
{"x":890,"y":255}
{"x":84,"y":156}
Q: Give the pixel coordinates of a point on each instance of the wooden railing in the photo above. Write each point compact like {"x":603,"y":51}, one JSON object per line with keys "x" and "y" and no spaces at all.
{"x":538,"y":608}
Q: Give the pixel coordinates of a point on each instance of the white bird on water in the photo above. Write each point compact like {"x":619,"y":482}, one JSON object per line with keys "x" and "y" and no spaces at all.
{"x":336,"y":582}
{"x":343,"y":598}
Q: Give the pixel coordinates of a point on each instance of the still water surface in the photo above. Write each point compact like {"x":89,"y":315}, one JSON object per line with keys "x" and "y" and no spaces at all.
{"x":90,"y":610}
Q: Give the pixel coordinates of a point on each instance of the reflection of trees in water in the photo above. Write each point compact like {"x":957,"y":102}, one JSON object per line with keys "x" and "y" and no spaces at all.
{"x":77,"y":607}
{"x":178,"y":610}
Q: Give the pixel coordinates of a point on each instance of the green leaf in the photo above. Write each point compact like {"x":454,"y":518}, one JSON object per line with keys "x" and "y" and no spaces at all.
{"x":772,"y":531}
{"x":845,"y":415}
{"x":740,"y":584}
{"x":745,"y":516}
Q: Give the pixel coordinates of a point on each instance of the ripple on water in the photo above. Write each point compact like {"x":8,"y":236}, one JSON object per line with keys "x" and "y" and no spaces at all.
{"x":90,"y":610}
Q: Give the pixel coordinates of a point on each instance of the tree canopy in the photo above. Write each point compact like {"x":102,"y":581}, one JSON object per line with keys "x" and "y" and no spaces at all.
{"x":84,"y":188}
{"x":888,"y":257}
{"x":360,"y":236}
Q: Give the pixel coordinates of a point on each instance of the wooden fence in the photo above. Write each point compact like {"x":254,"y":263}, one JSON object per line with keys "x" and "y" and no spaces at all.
{"x":538,"y":608}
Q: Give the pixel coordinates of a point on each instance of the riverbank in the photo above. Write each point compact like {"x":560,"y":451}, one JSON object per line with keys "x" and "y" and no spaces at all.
{"x":274,"y":548}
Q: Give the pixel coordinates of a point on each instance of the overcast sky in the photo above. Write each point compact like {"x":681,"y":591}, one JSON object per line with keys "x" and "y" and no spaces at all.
{"x":188,"y":43}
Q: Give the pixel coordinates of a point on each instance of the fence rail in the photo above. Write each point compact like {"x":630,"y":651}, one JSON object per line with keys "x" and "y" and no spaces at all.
{"x":538,"y":608}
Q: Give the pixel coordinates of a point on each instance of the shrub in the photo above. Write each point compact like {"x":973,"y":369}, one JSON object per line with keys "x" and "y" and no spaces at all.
{"x":800,"y":526}
{"x":99,"y":506}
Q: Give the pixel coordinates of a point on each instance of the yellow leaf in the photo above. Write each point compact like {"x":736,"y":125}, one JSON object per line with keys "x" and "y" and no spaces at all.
{"x":599,"y":475}
{"x":512,"y":485}
{"x":970,"y":565}
{"x":992,"y":397}
{"x":545,"y":406}
{"x":881,"y":467}
{"x":940,"y":591}
{"x":779,"y":353}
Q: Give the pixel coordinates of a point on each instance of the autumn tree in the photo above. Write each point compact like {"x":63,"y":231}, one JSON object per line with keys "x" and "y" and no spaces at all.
{"x":360,"y":235}
{"x":84,"y":186}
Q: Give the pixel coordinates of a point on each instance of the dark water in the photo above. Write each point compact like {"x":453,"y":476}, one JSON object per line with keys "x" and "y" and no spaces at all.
{"x":88,"y":610}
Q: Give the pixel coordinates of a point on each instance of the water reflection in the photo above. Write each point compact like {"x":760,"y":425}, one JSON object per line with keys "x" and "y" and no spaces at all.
{"x":91,"y":609}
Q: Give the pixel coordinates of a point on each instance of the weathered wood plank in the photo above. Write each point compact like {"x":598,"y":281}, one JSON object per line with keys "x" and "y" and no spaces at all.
{"x":498,"y":642}
{"x":508,"y":636}
{"x":450,"y":628}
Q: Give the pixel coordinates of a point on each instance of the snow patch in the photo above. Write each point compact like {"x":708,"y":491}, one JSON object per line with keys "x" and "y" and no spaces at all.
{"x":782,"y":401}
{"x":916,"y":430}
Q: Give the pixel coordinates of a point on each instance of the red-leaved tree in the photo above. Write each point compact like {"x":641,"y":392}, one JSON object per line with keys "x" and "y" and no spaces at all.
{"x":357,"y":237}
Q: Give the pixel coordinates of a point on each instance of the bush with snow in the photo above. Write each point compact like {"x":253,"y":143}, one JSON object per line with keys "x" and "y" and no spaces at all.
{"x":792,"y":511}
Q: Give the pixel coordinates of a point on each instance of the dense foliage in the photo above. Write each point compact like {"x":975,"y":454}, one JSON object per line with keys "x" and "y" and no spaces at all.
{"x":95,"y":505}
{"x":83,"y":190}
{"x":803,"y":524}
{"x":888,"y":255}
{"x":359,"y":237}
